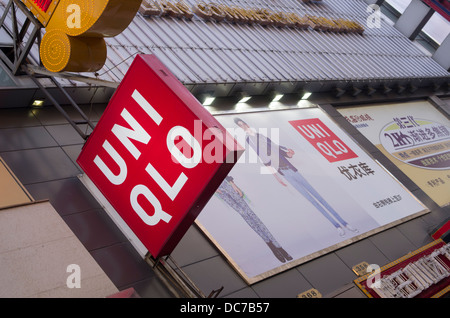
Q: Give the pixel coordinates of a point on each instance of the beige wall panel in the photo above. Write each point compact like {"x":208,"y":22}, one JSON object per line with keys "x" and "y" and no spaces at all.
{"x":36,"y":253}
{"x":11,"y":191}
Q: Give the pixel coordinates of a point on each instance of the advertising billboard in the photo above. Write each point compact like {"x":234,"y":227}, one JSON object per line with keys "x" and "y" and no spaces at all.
{"x":157,"y":155}
{"x":415,"y":136}
{"x":302,"y":189}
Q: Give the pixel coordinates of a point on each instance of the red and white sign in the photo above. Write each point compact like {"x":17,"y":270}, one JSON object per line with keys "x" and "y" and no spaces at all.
{"x":157,"y":155}
{"x":323,"y":139}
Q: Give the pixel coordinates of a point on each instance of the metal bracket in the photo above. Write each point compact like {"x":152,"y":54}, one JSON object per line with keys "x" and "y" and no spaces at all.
{"x":58,"y":106}
{"x":176,"y":279}
{"x":72,"y":77}
{"x":15,"y":55}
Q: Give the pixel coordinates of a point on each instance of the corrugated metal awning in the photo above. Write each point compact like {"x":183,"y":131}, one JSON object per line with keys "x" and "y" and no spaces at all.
{"x":207,"y":54}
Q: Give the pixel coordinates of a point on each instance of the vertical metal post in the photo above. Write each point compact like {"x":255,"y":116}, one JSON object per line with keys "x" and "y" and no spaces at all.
{"x":180,"y":285}
{"x":72,"y":102}
{"x":56,"y":104}
{"x":19,"y":49}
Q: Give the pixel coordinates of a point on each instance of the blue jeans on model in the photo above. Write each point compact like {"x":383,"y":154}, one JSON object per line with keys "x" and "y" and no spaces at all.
{"x":305,"y":188}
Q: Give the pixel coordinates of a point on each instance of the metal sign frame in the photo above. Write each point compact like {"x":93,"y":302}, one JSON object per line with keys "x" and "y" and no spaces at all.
{"x":43,"y":16}
{"x":15,"y":54}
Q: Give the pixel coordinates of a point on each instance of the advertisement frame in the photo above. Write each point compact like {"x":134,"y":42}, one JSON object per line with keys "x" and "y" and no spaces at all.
{"x":252,"y":280}
{"x":393,"y":159}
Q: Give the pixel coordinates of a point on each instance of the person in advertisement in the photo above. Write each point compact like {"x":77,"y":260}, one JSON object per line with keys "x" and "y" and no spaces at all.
{"x":277,"y":158}
{"x":233,"y":196}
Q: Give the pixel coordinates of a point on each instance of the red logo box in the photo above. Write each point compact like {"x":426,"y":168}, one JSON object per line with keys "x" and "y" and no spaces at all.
{"x":323,"y":139}
{"x":135,"y":159}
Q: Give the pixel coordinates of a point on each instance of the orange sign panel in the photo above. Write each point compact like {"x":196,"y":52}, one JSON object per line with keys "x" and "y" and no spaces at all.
{"x":75,"y":30}
{"x":74,"y":38}
{"x":42,"y":9}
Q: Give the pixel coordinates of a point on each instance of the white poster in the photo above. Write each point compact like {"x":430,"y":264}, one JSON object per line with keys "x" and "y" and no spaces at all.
{"x":302,"y":189}
{"x":415,"y":136}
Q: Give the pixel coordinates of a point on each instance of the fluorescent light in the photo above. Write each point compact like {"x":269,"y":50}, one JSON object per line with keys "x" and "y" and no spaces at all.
{"x":208,"y":101}
{"x":306,"y":95}
{"x":244,"y":99}
{"x":277,"y":97}
{"x":38,"y":102}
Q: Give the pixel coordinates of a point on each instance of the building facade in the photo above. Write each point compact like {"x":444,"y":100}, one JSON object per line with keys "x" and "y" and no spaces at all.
{"x":356,"y":66}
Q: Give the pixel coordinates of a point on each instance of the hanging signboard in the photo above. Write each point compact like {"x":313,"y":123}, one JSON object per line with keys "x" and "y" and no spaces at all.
{"x":42,"y":9}
{"x":256,"y":14}
{"x":302,"y":188}
{"x":157,"y":155}
{"x":415,"y":136}
{"x":424,"y":273}
{"x":75,"y":31}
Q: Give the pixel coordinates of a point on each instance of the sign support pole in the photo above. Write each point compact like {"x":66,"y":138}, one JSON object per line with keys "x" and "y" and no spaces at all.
{"x":58,"y":106}
{"x":179,"y":286}
{"x":15,"y":54}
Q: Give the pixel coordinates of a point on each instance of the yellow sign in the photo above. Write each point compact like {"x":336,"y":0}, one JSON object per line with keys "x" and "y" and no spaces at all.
{"x":74,"y":40}
{"x":75,"y":30}
{"x":236,"y":14}
{"x":99,"y":18}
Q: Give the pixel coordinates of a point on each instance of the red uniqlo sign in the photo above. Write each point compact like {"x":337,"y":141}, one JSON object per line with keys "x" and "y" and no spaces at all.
{"x":323,"y":139}
{"x":157,"y":155}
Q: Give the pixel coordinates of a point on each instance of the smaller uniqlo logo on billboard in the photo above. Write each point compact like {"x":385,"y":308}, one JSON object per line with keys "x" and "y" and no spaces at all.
{"x":323,"y":139}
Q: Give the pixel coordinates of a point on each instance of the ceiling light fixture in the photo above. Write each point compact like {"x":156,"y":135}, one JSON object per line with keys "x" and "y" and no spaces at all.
{"x":306,"y":95}
{"x":243,"y":97}
{"x":208,"y":101}
{"x":277,"y":97}
{"x":38,"y":103}
{"x":206,"y":98}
